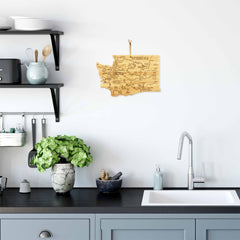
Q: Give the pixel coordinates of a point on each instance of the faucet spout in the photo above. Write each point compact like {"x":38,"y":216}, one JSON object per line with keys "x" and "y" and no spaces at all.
{"x":180,"y":147}
{"x":191,"y":179}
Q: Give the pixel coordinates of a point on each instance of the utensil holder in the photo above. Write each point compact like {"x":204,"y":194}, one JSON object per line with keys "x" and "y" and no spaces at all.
{"x":12,"y":139}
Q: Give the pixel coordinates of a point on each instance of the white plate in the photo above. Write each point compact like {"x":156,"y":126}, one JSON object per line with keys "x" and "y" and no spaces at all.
{"x":32,"y":29}
{"x":31,"y":24}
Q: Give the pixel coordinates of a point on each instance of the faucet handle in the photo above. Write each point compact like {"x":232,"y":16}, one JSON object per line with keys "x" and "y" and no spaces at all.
{"x":198,"y":180}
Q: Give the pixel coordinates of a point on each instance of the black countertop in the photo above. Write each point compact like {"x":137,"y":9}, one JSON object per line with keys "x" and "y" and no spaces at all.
{"x":89,"y":200}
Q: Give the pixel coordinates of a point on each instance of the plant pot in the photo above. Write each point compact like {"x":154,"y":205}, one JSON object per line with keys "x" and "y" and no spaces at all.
{"x":63,"y":177}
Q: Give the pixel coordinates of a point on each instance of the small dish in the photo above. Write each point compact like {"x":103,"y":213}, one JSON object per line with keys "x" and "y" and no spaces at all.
{"x":6,"y":23}
{"x":5,"y":28}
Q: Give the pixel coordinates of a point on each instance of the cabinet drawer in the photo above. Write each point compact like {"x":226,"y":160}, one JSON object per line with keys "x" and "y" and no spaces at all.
{"x":218,"y":229}
{"x":147,"y":229}
{"x":29,"y":229}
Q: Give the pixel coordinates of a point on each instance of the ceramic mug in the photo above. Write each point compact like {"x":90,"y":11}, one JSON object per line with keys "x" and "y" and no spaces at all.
{"x":37,"y":73}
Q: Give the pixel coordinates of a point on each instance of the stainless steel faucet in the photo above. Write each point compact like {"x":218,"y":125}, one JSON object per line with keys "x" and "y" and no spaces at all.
{"x":191,"y":178}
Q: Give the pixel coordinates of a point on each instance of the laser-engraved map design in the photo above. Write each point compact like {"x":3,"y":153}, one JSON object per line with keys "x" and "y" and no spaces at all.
{"x":130,"y":74}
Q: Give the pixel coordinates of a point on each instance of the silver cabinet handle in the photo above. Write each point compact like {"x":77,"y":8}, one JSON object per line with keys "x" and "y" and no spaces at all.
{"x":45,"y":234}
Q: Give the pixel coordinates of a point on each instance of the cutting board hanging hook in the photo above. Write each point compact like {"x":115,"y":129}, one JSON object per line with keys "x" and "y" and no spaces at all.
{"x":130,"y":47}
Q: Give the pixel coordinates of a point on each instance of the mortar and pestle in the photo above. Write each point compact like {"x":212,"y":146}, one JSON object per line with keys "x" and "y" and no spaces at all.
{"x":106,"y":184}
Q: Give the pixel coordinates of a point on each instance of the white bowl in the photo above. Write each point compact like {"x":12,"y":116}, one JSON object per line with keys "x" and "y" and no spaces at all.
{"x":31,"y":24}
{"x":6,"y":22}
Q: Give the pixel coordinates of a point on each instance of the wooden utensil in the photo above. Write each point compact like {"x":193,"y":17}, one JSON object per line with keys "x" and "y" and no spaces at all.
{"x":46,"y":52}
{"x":36,"y":55}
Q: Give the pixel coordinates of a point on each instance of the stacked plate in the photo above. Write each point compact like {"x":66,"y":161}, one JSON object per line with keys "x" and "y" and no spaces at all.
{"x":31,"y":24}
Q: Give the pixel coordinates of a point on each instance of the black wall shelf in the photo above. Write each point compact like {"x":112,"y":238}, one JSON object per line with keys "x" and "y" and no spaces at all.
{"x":55,"y":93}
{"x":55,"y":40}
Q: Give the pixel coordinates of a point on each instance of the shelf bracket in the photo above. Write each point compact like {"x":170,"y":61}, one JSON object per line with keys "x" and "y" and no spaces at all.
{"x":55,"y":92}
{"x":55,"y":39}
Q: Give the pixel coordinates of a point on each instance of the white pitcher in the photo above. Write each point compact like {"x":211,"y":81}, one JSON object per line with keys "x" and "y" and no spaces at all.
{"x":37,"y":73}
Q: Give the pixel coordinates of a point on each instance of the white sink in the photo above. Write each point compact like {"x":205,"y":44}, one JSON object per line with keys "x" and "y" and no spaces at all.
{"x":190,"y":198}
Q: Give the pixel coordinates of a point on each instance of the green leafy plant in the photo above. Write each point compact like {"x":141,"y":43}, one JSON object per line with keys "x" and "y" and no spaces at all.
{"x":61,"y":149}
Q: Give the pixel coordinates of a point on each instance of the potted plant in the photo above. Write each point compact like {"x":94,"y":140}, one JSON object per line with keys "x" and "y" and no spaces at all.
{"x":62,"y":153}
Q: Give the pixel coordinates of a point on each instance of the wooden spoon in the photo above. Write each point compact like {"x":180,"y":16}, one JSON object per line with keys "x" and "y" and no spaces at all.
{"x":46,"y":52}
{"x":36,"y":55}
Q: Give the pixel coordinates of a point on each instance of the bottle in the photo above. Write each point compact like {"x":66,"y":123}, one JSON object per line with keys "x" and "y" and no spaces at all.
{"x":158,"y":179}
{"x":19,"y":128}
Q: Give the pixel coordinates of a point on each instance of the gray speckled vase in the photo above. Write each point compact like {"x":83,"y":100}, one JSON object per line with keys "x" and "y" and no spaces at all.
{"x":63,"y":177}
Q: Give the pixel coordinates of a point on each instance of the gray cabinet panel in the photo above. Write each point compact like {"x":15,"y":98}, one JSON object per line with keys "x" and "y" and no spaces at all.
{"x":29,"y":229}
{"x":150,"y":229}
{"x":218,"y":229}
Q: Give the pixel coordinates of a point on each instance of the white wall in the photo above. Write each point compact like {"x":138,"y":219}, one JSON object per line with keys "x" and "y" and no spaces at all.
{"x":199,"y":47}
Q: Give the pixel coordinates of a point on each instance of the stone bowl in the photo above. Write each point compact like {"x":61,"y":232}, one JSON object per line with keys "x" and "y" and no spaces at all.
{"x":109,"y":186}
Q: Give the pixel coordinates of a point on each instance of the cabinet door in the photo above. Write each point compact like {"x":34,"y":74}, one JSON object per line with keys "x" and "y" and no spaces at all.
{"x":218,"y":229}
{"x":60,"y":229}
{"x":147,"y":229}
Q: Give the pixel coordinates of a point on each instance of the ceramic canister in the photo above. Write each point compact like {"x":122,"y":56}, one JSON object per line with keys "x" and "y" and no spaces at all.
{"x":37,"y":73}
{"x":25,"y":186}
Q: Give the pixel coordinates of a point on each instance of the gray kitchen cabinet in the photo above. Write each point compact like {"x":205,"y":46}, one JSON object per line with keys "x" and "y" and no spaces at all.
{"x":168,"y":226}
{"x":120,"y":226}
{"x":150,"y":229}
{"x":218,"y":229}
{"x":58,"y":227}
